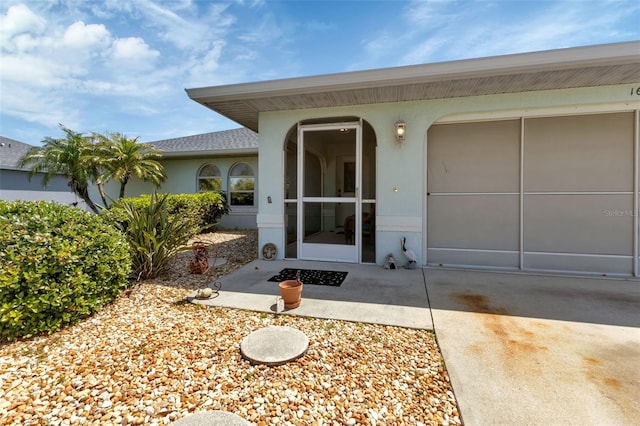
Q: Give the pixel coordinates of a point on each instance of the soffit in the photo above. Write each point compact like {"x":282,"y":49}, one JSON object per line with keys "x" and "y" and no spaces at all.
{"x":558,"y":69}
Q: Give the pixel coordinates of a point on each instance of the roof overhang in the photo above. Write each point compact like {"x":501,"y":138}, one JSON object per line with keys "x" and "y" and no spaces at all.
{"x":14,"y":168}
{"x":210,"y":153}
{"x":599,"y":65}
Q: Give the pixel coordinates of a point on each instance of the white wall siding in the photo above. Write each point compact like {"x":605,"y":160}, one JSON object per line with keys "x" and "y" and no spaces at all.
{"x":401,"y":168}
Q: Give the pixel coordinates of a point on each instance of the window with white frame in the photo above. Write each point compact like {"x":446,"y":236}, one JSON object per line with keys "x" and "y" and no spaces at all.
{"x":241,"y":185}
{"x":209,"y":178}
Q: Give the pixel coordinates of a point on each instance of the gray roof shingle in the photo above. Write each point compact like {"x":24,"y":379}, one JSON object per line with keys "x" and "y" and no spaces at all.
{"x":226,"y":140}
{"x":11,"y":151}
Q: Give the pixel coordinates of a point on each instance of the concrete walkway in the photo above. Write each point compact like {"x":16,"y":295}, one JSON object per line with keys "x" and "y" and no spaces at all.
{"x":539,"y":350}
{"x":520,"y":349}
{"x":369,"y":293}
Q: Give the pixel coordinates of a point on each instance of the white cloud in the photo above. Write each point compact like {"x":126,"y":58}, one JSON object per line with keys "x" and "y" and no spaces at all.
{"x":132,"y":49}
{"x":68,"y":62}
{"x":27,"y":42}
{"x":18,"y":25}
{"x":141,"y":109}
{"x":251,"y":3}
{"x":81,"y":36}
{"x":418,"y":32}
{"x":554,"y":25}
{"x":135,"y":88}
{"x":202,"y":70}
{"x":424,"y":49}
{"x":191,"y":33}
{"x":265,"y":32}
{"x":434,"y":14}
{"x":441,"y":31}
{"x":20,"y":19}
{"x":38,"y":107}
{"x":35,"y":71}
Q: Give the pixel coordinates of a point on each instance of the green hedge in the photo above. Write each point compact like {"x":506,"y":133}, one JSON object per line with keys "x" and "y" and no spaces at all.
{"x":203,"y":210}
{"x":58,"y":264}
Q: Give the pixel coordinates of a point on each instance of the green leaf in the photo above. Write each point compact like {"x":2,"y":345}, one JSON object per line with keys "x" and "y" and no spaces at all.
{"x":49,"y":256}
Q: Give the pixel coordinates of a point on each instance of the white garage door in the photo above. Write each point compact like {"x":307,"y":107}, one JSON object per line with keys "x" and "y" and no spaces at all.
{"x":553,"y":193}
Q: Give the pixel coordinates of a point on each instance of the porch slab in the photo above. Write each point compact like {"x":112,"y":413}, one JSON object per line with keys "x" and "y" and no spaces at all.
{"x":369,"y":293}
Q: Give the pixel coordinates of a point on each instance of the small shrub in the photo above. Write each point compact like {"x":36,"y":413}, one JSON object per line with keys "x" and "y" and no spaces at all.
{"x":155,"y":237}
{"x":58,"y":264}
{"x":206,"y":207}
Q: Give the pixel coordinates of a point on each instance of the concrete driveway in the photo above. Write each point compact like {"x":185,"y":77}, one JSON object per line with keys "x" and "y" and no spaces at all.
{"x":539,"y":350}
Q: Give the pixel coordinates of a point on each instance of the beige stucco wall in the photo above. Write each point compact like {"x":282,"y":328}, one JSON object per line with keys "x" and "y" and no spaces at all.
{"x":402,"y":213}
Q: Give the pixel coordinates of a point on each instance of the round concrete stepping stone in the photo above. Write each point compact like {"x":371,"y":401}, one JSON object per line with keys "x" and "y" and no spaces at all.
{"x":211,"y":418}
{"x":274,"y":345}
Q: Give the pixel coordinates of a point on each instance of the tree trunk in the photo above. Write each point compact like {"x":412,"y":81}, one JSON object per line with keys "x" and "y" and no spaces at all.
{"x":102,"y":195}
{"x":123,"y":183}
{"x":83,"y":192}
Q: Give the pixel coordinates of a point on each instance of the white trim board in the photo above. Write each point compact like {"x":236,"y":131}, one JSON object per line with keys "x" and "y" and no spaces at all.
{"x":398,"y":224}
{"x":269,"y":221}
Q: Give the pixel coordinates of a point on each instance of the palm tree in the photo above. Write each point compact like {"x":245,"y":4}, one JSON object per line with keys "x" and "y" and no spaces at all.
{"x":71,"y":156}
{"x":124,"y":157}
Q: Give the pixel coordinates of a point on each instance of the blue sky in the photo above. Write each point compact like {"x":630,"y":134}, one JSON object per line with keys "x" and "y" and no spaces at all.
{"x":123,"y":65}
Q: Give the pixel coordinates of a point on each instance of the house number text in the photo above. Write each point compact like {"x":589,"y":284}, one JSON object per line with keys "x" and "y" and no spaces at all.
{"x":635,"y":91}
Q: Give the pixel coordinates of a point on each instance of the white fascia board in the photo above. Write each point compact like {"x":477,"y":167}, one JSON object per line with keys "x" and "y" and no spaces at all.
{"x":550,"y":60}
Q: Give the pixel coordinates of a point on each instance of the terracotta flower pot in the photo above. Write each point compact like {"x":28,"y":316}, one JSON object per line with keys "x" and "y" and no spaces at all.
{"x":291,"y":292}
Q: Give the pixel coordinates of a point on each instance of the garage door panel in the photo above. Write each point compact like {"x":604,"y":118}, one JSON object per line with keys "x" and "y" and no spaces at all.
{"x":579,"y":153}
{"x":462,"y":257}
{"x":590,"y":224}
{"x":474,"y":157}
{"x":579,"y":263}
{"x":474,"y":222}
{"x":577,"y":194}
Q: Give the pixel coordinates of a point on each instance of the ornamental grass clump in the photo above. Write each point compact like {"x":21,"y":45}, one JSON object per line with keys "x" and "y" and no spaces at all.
{"x":154,"y":235}
{"x":58,"y":264}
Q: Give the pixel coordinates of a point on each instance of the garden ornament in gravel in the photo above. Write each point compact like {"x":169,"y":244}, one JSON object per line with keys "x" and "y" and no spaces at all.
{"x":408,"y":254}
{"x":204,"y":293}
{"x":200,"y":262}
{"x":389,"y":262}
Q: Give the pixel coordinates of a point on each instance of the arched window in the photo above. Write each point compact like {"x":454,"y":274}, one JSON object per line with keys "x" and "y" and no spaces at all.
{"x":209,"y":178}
{"x":241,"y":185}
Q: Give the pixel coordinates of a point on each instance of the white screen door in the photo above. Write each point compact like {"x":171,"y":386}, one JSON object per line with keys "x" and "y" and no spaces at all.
{"x":329,"y":179}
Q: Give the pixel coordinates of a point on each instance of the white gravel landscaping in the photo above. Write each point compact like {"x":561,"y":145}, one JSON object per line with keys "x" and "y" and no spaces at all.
{"x":151,"y":358}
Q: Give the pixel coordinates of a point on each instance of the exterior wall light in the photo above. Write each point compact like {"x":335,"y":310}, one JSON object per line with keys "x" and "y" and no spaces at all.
{"x":401,"y":130}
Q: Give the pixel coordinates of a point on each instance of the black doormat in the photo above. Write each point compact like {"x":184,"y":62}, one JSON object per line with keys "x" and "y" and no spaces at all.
{"x":311,"y":276}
